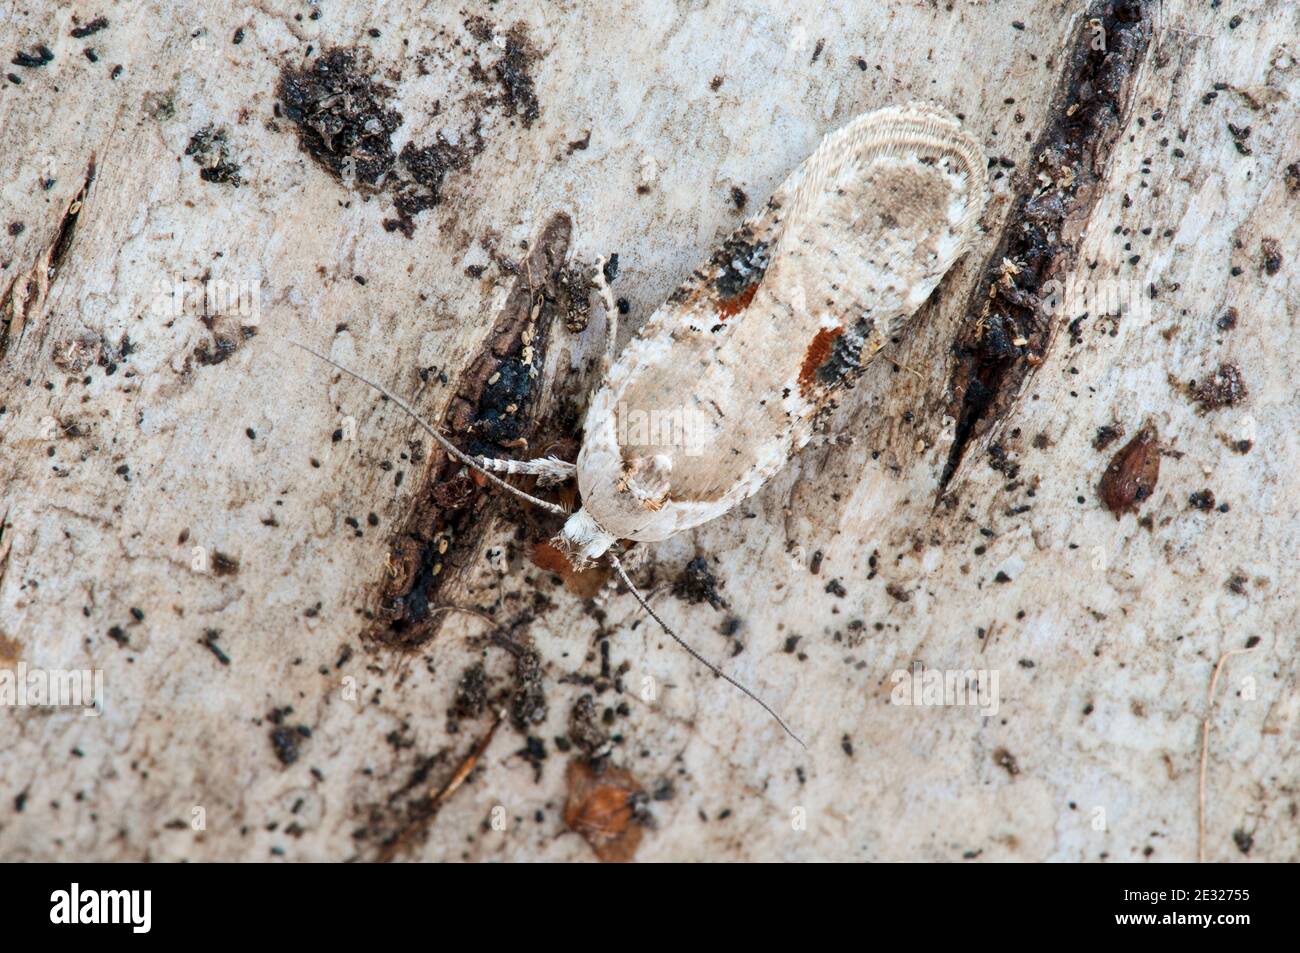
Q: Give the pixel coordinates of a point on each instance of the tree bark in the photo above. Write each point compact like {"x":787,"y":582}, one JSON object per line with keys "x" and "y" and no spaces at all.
{"x":1076,"y":473}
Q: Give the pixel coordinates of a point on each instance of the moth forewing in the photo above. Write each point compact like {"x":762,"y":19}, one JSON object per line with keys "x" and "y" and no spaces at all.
{"x":758,"y":341}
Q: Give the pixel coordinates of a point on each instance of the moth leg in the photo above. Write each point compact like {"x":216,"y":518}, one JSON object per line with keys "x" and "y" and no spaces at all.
{"x":548,"y":470}
{"x":447,"y":446}
{"x":611,"y":317}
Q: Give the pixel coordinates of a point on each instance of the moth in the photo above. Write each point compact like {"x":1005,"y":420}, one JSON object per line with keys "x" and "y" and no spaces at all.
{"x":757,"y":344}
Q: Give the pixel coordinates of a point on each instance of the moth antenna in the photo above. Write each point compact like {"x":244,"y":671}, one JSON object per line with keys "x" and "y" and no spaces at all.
{"x":618,"y":568}
{"x":451,"y":449}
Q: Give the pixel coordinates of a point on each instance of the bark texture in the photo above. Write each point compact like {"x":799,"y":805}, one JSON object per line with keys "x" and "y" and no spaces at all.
{"x":319,"y":640}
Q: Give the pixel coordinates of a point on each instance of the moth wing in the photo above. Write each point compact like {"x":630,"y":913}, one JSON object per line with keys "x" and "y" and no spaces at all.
{"x":751,"y":348}
{"x":878,"y":214}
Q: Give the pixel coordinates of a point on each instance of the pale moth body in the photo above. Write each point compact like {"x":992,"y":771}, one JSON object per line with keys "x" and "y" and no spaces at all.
{"x":723,"y":384}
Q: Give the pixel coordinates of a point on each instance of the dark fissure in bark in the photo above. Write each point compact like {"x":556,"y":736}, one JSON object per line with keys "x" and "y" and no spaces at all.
{"x":1006,"y":332}
{"x":58,"y":250}
{"x":493,"y":412}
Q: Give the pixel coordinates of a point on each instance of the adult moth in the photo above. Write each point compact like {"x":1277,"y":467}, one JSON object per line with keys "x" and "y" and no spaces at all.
{"x":760,"y":340}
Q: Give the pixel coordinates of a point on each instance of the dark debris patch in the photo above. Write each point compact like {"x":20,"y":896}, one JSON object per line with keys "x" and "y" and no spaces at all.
{"x":343,"y":116}
{"x":697,"y":584}
{"x":286,"y":739}
{"x":346,"y":119}
{"x":223,"y":565}
{"x":222,"y":345}
{"x":1107,"y":434}
{"x":209,"y":642}
{"x":1292,"y":177}
{"x":428,"y":168}
{"x":1239,"y":136}
{"x":1224,"y":389}
{"x":211,"y":153}
{"x":1270,"y":256}
{"x":527,"y":696}
{"x":34,"y":60}
{"x":897,"y":592}
{"x":284,"y":742}
{"x":585,"y":731}
{"x":91,"y":28}
{"x":471,"y":697}
{"x":512,"y":73}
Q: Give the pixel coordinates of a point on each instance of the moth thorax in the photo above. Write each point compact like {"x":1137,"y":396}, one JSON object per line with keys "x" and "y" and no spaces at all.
{"x":582,"y":539}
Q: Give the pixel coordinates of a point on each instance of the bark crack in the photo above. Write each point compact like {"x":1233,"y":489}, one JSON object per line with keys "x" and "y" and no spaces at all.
{"x":494,"y":412}
{"x":24,"y":299}
{"x":1007,"y":333}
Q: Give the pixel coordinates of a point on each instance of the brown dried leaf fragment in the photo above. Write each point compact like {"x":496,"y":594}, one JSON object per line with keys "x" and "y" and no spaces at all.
{"x":602,"y":808}
{"x":1132,"y":474}
{"x":584,"y":583}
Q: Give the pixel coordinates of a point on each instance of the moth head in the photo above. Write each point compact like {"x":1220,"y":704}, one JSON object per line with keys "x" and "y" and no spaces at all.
{"x":583,"y":540}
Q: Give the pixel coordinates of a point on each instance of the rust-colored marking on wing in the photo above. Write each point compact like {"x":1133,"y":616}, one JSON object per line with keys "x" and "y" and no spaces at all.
{"x":730,"y":307}
{"x":818,"y":353}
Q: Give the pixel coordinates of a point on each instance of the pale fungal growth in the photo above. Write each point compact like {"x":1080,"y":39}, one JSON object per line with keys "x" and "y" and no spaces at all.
{"x":723,"y":384}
